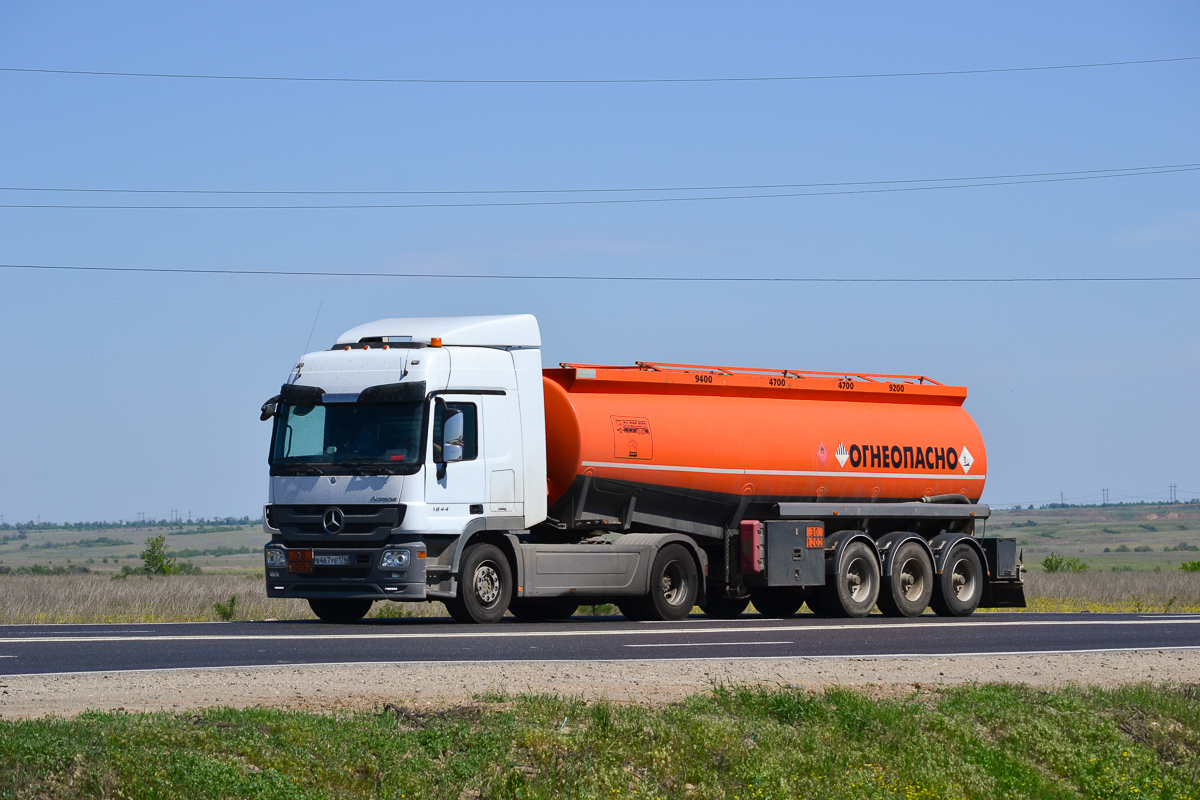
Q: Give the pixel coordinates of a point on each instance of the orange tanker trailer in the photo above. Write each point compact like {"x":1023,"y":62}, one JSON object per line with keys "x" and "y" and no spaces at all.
{"x":841,"y":490}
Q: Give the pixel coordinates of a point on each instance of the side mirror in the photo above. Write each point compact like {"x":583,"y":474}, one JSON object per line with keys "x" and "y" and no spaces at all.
{"x":269,"y":408}
{"x":452,"y":438}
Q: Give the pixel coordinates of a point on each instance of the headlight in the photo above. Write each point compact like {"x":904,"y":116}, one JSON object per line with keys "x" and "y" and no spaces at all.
{"x":276,"y":558}
{"x":394,"y":559}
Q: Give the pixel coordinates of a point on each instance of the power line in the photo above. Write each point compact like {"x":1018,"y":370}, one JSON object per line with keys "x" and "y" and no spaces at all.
{"x":594,"y":81}
{"x":602,"y":201}
{"x":1110,"y":172}
{"x":592,"y":278}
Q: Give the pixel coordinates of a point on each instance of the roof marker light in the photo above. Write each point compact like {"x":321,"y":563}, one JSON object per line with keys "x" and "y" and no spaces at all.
{"x":436,"y":341}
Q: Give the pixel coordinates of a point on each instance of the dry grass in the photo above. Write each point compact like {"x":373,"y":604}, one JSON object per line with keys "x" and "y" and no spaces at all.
{"x":1132,"y":591}
{"x":30,"y":599}
{"x":186,"y":598}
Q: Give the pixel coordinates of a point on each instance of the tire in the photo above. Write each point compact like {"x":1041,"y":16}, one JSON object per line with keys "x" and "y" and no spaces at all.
{"x":539,"y":610}
{"x":908,"y":590}
{"x":484,"y":586}
{"x":818,"y":605}
{"x":719,"y":607}
{"x":674,"y":584}
{"x":340,"y":612}
{"x":959,"y":588}
{"x":855,"y":587}
{"x":631,"y":610}
{"x":778,"y":602}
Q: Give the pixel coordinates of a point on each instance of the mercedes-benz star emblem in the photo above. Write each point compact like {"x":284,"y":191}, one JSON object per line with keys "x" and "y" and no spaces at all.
{"x":334,"y":520}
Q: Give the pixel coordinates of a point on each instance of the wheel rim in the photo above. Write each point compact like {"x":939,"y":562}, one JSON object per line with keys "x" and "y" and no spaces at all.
{"x":487,"y":584}
{"x":858,"y":579}
{"x":674,"y":584}
{"x":963,"y":578}
{"x":912,"y":579}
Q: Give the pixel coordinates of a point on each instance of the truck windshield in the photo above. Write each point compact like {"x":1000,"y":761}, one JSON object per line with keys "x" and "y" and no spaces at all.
{"x":379,"y":435}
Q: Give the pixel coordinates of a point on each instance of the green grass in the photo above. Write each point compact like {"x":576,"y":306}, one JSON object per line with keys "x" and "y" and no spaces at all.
{"x":969,"y":741}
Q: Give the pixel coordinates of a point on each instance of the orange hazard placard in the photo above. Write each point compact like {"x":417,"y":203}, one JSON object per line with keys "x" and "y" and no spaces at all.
{"x":815,"y":537}
{"x":632,"y":439}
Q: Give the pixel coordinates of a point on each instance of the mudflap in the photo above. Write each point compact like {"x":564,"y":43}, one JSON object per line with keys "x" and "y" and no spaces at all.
{"x":1003,"y":594}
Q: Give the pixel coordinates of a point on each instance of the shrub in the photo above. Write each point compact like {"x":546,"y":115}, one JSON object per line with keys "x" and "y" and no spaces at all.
{"x":1143,"y":548}
{"x":1060,"y":563}
{"x":1190,"y":566}
{"x":227,"y":611}
{"x":1122,"y":548}
{"x":155,"y":558}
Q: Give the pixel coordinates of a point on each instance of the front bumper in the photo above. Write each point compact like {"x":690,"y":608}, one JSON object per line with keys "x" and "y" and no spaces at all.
{"x":360,"y":577}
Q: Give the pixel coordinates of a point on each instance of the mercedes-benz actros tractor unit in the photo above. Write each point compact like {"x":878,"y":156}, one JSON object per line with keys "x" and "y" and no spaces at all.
{"x":433,"y":459}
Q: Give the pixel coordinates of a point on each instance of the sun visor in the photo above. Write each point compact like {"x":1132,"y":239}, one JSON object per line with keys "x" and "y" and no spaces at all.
{"x":413,"y":391}
{"x":296,"y":395}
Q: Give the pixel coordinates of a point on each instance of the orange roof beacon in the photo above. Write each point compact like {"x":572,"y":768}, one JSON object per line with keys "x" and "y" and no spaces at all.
{"x":474,"y":477}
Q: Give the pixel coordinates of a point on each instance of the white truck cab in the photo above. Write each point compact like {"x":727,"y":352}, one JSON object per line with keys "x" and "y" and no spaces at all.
{"x":405,"y":435}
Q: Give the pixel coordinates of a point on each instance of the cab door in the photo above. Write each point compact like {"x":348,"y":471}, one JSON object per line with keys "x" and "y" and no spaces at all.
{"x":461,"y":483}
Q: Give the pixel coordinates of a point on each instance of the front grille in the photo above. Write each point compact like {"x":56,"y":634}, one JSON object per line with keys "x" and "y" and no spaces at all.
{"x":305,"y":523}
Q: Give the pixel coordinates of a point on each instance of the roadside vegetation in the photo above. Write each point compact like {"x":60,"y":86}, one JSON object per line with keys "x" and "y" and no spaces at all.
{"x":1135,"y":558}
{"x":978,"y":741}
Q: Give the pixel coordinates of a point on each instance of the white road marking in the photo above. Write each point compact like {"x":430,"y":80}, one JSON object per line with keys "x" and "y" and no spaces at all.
{"x":641,"y":630}
{"x":701,"y":644}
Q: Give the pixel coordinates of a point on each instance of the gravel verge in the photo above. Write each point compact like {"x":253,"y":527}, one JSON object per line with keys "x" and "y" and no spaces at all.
{"x":328,"y":688}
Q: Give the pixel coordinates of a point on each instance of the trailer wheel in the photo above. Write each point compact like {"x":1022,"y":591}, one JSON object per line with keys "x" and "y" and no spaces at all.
{"x":958,"y":590}
{"x":485,"y":586}
{"x":855,"y":587}
{"x":674,"y":584}
{"x":778,"y":602}
{"x":341,"y":612}
{"x":908,"y":590}
{"x":720,"y":607}
{"x":538,"y":610}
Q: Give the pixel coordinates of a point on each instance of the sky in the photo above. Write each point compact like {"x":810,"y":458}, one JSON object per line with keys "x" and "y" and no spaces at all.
{"x":129,"y":393}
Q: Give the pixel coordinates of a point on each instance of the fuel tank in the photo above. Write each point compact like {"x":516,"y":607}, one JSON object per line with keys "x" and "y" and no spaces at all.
{"x":684,"y":447}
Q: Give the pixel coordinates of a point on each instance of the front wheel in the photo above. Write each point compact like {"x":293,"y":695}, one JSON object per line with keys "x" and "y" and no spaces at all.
{"x":485,"y":585}
{"x":958,"y":590}
{"x":340,"y":612}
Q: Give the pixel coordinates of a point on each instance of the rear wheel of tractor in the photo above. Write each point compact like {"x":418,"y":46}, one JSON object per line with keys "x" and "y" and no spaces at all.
{"x":907,"y":591}
{"x":778,"y":602}
{"x":720,"y":607}
{"x":485,"y":587}
{"x":341,"y":612}
{"x":674,"y":584}
{"x":855,"y":587}
{"x":958,"y":590}
{"x":537,"y":610}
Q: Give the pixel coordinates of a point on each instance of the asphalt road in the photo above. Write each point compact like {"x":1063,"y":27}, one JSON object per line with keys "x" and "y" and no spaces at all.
{"x":41,"y":649}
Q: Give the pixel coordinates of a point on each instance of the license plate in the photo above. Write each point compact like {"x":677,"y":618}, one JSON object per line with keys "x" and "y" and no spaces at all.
{"x":330,"y":561}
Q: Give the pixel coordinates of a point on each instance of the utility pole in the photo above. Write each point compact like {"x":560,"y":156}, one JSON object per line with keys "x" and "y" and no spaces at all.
{"x":1061,"y":501}
{"x":1173,"y":498}
{"x":1105,"y":493}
